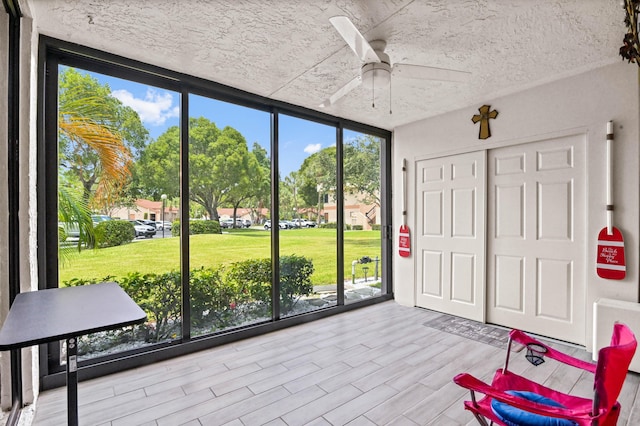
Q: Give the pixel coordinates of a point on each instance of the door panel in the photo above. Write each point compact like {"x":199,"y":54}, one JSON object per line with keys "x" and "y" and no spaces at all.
{"x":535,"y":261}
{"x":450,"y":235}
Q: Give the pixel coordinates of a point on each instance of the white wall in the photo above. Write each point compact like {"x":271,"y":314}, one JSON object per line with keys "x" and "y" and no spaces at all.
{"x":5,"y":365}
{"x":28,"y":195}
{"x":27,"y":199}
{"x":579,"y":104}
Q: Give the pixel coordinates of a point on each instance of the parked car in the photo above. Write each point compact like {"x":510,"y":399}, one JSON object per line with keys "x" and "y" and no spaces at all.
{"x":149,"y":223}
{"x":304,"y":223}
{"x":160,"y":225}
{"x":71,"y":229}
{"x":97,"y":218}
{"x":281,"y":224}
{"x":143,"y":230}
{"x":226,"y":223}
{"x":242,"y":223}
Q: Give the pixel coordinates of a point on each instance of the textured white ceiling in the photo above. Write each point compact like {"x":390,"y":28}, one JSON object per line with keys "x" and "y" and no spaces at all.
{"x":288,"y":50}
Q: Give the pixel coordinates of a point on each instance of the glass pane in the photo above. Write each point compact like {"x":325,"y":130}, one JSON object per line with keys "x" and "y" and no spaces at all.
{"x":308,"y":260}
{"x":115,"y":167}
{"x":229,"y":197}
{"x":362,"y":218}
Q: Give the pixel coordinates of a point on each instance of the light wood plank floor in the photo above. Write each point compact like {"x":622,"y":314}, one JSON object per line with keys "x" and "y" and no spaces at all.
{"x":378,"y":365}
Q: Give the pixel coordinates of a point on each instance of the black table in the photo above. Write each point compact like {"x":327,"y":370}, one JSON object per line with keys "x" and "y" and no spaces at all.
{"x":66,"y":313}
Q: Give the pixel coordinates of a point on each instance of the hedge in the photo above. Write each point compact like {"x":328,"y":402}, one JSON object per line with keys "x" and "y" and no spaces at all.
{"x":110,"y":233}
{"x":217,"y":294}
{"x":197,"y":227}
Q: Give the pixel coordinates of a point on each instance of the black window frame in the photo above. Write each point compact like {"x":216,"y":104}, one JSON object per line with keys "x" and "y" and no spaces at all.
{"x":54,"y":52}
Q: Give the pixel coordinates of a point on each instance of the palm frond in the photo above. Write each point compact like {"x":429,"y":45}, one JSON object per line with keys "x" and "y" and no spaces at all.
{"x":72,"y":210}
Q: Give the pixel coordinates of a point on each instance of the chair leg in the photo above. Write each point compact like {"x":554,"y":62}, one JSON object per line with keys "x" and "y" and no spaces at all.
{"x":481,"y":419}
{"x":506,"y":361}
{"x":478,"y":417}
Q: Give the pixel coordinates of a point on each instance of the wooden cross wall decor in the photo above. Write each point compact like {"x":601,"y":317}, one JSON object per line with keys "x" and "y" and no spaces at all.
{"x":483,"y":118}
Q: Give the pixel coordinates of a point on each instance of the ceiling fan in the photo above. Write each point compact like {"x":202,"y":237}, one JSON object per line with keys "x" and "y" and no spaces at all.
{"x":377,"y":68}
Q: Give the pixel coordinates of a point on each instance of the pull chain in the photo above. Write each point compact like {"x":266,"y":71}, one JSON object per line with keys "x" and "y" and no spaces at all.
{"x":373,"y":90}
{"x":390,"y":79}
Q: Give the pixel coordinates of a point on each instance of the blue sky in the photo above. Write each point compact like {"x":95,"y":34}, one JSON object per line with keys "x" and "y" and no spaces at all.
{"x":159,"y":109}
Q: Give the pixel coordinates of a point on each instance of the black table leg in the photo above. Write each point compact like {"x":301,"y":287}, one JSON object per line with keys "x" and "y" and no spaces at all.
{"x":72,"y":381}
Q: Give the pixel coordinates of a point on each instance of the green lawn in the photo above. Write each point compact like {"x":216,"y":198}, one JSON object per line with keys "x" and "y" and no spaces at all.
{"x":162,"y":255}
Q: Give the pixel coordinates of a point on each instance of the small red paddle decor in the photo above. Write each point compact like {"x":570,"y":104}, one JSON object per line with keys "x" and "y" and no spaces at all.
{"x":404,"y":244}
{"x":610,"y":263}
{"x":405,"y":241}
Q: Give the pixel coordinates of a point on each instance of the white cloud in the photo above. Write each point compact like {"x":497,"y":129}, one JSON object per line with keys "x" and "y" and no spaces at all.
{"x":312,"y":148}
{"x":154,"y":109}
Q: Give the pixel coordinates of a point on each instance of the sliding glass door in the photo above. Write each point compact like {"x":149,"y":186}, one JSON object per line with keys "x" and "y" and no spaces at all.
{"x":220,"y":213}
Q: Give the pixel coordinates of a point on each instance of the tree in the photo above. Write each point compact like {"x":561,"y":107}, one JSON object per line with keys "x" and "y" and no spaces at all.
{"x":289,"y":193}
{"x":221,"y":168}
{"x":362,"y":168}
{"x":94,"y":160}
{"x":245,"y":172}
{"x":159,"y":165}
{"x":317,"y":177}
{"x":97,"y":135}
{"x":261,"y":194}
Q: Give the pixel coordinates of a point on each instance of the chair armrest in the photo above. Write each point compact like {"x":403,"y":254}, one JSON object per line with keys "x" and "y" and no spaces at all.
{"x":467,"y":381}
{"x":525,"y":339}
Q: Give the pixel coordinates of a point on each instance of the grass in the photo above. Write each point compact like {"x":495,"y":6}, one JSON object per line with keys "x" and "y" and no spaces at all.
{"x":162,"y":255}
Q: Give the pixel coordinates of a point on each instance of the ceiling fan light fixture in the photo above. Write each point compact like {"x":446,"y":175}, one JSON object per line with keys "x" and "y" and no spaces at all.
{"x":376,"y":74}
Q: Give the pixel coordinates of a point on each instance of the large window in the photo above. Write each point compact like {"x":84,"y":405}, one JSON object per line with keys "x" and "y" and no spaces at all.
{"x":229,"y":204}
{"x":362,"y":215}
{"x":117,"y":196}
{"x":220,"y":213}
{"x":308,"y":243}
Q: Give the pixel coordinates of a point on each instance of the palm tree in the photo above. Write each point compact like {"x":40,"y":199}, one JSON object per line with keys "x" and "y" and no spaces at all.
{"x":84,"y":122}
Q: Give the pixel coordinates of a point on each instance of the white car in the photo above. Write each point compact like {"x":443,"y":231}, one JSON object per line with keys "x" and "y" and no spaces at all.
{"x":281,"y":224}
{"x":304,"y":223}
{"x":143,"y":230}
{"x":160,"y":225}
{"x":226,"y":223}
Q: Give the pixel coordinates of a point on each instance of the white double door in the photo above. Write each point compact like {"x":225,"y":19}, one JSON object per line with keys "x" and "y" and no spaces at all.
{"x":522,"y":267}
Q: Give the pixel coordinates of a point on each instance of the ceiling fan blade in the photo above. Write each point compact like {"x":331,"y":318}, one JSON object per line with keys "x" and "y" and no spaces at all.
{"x":430,"y":73}
{"x":341,"y":92}
{"x":354,"y":39}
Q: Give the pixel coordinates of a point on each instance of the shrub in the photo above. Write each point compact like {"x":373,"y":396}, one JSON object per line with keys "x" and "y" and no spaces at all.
{"x":110,"y":233}
{"x":253,"y":277}
{"x":295,"y":280}
{"x":197,"y":227}
{"x":356,"y":227}
{"x":329,"y":225}
{"x":212,"y":298}
{"x":159,"y":295}
{"x":376,"y":227}
{"x":204,"y":227}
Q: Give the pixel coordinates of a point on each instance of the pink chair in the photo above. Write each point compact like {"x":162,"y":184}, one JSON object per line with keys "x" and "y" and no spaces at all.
{"x":514,"y":400}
